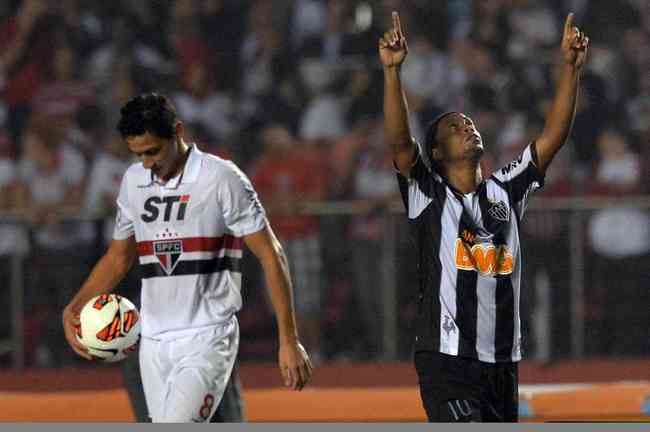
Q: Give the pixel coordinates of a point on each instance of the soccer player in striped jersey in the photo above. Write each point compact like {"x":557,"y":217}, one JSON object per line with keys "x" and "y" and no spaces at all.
{"x":186,"y":215}
{"x":466,"y":228}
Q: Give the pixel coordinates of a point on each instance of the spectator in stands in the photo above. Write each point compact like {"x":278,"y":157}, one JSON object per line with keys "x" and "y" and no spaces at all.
{"x":199,"y":102}
{"x":308,"y":18}
{"x":534,"y":27}
{"x":547,"y":236}
{"x":462,"y":53}
{"x":287,"y":175}
{"x":338,"y":43}
{"x":323,"y":117}
{"x":620,"y":238}
{"x":51,"y":175}
{"x":104,"y":179}
{"x":13,"y":237}
{"x":373,"y":178}
{"x":63,"y":94}
{"x":264,"y":59}
{"x":24,"y":60}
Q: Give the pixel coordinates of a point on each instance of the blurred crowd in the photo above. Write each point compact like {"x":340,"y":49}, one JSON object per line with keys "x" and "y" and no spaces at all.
{"x":292,"y":91}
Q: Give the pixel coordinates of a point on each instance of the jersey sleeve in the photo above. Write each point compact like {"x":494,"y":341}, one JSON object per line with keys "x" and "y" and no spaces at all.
{"x":521,"y":177}
{"x":417,"y":189}
{"x":242,"y":210}
{"x":124,"y":226}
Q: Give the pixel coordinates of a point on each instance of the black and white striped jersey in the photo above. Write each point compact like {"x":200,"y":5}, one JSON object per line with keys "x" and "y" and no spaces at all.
{"x":469,"y":259}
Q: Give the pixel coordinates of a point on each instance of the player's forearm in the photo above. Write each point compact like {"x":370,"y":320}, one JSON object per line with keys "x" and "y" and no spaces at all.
{"x":560,"y":116}
{"x":103,"y":278}
{"x":278,"y":281}
{"x":396,"y":122}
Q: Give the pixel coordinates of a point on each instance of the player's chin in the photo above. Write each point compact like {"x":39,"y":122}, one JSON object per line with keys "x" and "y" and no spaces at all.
{"x":475,"y":152}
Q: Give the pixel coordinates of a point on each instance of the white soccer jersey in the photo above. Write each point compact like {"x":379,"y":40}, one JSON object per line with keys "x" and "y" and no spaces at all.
{"x":189,"y":239}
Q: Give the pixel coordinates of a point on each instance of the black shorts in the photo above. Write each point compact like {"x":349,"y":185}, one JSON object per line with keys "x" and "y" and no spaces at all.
{"x":459,"y":389}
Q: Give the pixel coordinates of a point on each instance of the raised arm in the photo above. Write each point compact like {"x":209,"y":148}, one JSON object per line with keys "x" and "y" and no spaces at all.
{"x":560,"y":117}
{"x":392,"y":52}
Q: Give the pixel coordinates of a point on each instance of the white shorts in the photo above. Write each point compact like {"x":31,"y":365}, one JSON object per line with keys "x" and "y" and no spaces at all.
{"x":185,"y":378}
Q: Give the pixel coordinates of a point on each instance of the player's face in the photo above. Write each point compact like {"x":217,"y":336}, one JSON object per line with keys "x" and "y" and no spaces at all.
{"x":157,"y":154}
{"x":459,"y":139}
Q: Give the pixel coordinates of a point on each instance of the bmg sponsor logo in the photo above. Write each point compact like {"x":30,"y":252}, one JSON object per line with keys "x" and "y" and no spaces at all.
{"x":485,"y":259}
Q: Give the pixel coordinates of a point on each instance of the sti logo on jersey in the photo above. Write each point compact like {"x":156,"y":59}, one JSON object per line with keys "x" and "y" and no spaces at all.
{"x":168,"y":252}
{"x":152,"y":211}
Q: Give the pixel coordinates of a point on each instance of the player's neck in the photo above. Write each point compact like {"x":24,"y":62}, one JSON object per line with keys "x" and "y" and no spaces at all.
{"x":181,"y":158}
{"x":464,"y":177}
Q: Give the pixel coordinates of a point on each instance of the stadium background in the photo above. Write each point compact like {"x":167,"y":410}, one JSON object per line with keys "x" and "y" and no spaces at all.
{"x":291,"y":90}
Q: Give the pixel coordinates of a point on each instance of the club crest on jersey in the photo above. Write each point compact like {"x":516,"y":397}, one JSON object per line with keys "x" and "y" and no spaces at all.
{"x":499,"y":211}
{"x":168,"y":253}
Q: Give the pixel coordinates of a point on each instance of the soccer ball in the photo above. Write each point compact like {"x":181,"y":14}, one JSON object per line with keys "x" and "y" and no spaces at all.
{"x":110,"y":327}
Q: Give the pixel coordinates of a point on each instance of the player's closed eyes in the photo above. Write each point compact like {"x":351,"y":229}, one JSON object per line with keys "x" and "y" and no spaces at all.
{"x":456,"y":126}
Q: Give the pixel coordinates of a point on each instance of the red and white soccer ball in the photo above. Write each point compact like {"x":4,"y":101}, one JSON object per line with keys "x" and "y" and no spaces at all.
{"x":110,"y":327}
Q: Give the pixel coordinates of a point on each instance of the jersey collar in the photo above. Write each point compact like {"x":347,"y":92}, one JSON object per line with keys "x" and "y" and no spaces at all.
{"x":193,"y":164}
{"x":190,"y":172}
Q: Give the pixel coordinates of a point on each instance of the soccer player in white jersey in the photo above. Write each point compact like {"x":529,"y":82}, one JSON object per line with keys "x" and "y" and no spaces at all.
{"x":466,"y":229}
{"x":185,"y":215}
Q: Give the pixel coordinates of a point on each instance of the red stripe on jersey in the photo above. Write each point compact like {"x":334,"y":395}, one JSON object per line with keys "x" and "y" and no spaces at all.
{"x":196,"y":244}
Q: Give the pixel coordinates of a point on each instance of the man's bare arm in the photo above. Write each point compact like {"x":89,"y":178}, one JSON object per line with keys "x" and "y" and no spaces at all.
{"x":392,"y":52}
{"x":294,"y":362}
{"x":104,"y":277}
{"x":560,"y":117}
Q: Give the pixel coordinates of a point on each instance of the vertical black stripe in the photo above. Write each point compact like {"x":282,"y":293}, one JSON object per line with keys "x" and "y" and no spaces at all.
{"x":505,"y":319}
{"x":427,"y":229}
{"x":490,"y":223}
{"x":466,"y":302}
{"x":466,"y":312}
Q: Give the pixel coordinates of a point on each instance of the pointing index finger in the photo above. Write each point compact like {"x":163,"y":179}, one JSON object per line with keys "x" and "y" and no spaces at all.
{"x":568,"y":24}
{"x":397,"y":26}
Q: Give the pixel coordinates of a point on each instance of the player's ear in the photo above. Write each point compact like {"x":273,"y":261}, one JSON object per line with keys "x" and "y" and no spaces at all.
{"x":436,"y":153}
{"x":179,"y":129}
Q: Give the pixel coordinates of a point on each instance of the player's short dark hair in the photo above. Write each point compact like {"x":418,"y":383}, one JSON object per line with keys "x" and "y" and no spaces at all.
{"x":148,"y":112}
{"x":430,"y":141}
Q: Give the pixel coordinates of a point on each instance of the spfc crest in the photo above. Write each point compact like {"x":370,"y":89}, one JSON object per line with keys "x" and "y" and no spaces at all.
{"x":168,"y":252}
{"x":499,"y":211}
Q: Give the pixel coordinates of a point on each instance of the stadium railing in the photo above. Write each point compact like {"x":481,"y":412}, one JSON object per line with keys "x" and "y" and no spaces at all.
{"x":574,"y":262}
